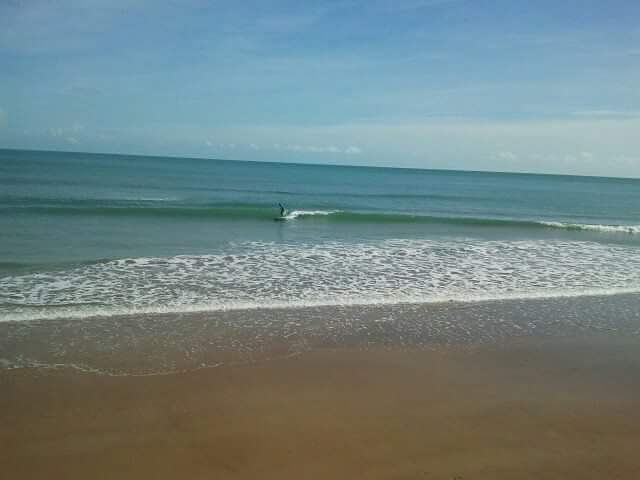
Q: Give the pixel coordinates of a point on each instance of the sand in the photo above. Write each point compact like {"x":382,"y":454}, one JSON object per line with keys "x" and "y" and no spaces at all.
{"x":526,"y":406}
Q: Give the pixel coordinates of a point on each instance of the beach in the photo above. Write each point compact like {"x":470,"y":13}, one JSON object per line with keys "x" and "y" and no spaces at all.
{"x":506,"y":389}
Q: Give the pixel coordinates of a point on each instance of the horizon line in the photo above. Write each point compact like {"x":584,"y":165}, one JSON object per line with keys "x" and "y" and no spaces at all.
{"x":147,"y":155}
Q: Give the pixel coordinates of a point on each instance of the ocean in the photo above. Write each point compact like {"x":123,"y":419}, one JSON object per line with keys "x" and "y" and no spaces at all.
{"x":85,"y":235}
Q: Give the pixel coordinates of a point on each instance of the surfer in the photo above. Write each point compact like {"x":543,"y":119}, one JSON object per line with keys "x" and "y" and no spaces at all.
{"x":283,"y":210}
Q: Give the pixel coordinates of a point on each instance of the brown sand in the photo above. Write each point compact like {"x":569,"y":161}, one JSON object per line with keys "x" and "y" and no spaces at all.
{"x":531,"y":409}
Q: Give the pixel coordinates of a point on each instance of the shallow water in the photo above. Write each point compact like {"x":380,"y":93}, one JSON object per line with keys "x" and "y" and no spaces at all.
{"x":170,"y":343}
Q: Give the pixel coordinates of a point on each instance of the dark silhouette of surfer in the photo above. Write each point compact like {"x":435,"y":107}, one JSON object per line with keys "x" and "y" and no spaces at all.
{"x":283,"y":210}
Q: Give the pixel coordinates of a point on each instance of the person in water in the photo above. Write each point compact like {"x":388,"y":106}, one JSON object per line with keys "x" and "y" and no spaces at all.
{"x":283,"y":210}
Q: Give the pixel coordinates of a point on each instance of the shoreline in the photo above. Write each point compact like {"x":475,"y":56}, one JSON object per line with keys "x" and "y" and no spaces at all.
{"x":278,"y":306}
{"x":159,"y":342}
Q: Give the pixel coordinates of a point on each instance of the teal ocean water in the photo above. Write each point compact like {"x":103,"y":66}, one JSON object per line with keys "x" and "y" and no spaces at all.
{"x":86,"y":234}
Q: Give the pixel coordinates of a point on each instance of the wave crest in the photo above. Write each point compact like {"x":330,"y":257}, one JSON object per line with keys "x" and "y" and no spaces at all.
{"x":259,"y":212}
{"x":631,"y":229}
{"x":308,"y":213}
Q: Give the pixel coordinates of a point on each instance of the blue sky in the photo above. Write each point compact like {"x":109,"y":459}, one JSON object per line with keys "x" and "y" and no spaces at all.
{"x":544,"y":86}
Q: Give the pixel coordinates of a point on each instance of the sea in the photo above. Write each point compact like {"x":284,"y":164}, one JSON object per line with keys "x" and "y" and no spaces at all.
{"x":93,"y":235}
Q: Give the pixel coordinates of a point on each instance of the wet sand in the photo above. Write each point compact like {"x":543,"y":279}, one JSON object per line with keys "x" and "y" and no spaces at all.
{"x":551,"y":400}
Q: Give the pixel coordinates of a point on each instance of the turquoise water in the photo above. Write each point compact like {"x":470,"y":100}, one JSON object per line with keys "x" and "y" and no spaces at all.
{"x":87,"y":234}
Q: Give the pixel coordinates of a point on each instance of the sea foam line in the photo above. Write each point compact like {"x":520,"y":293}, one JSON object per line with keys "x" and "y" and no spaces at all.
{"x":631,"y":229}
{"x":72,"y":313}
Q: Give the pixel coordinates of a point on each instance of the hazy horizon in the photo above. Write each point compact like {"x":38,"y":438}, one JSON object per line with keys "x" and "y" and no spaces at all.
{"x":311,"y":163}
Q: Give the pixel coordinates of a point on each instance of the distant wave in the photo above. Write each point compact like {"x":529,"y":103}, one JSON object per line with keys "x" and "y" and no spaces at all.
{"x":309,"y":213}
{"x":164,"y":207}
{"x":632,"y":229}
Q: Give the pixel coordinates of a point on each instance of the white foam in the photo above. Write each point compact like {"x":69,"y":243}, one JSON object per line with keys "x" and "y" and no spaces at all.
{"x":275,"y":275}
{"x":631,"y":229}
{"x":91,"y":312}
{"x":308,"y":213}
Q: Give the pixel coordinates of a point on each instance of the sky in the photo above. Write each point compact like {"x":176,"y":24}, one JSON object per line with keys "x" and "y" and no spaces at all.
{"x":506,"y":85}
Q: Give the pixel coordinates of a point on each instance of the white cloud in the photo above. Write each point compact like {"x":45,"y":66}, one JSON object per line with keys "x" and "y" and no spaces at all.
{"x":583,"y":146}
{"x":289,"y":147}
{"x":227,"y":146}
{"x":507,"y":156}
{"x":607,"y":146}
{"x":576,"y":145}
{"x":350,"y":150}
{"x":353,"y":150}
{"x":69,"y":135}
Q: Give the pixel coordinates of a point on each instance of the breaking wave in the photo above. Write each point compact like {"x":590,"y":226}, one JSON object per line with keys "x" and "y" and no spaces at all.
{"x":164,"y":207}
{"x":262,"y":275}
